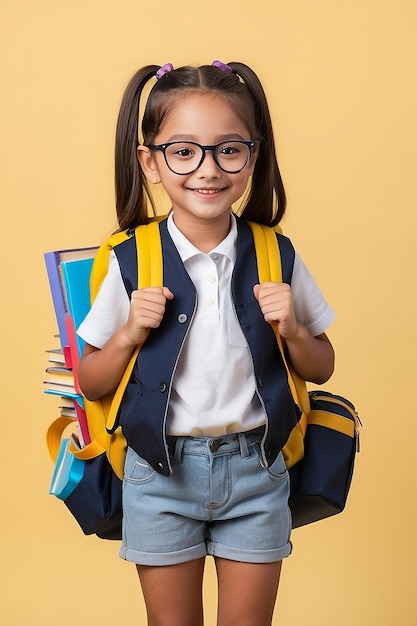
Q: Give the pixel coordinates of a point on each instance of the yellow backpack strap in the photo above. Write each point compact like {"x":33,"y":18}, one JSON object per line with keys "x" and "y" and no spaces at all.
{"x":150,"y":274}
{"x":150,"y":271}
{"x":148,"y":244}
{"x":101,"y":262}
{"x":297,"y":385}
{"x":55,"y":432}
{"x":269,"y":269}
{"x":102,"y":415}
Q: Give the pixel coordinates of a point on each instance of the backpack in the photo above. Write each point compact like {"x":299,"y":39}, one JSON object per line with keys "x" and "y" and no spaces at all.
{"x":99,"y":466}
{"x":88,"y":479}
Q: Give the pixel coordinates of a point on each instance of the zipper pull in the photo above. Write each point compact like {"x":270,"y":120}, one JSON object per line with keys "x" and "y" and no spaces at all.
{"x":358,"y":445}
{"x":358,"y":423}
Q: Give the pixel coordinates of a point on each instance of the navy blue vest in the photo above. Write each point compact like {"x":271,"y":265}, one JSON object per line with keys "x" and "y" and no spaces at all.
{"x":144,"y":406}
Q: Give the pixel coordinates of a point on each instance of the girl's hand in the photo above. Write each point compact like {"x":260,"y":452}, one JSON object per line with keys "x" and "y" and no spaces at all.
{"x":100,"y":370}
{"x":311,"y":357}
{"x":276,"y":303}
{"x":147,"y":308}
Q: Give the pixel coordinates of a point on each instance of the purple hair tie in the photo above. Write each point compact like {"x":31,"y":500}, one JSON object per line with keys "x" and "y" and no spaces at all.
{"x":223,"y":67}
{"x":168,"y":67}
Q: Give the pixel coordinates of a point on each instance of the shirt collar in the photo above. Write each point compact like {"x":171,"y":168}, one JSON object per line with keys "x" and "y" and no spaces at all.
{"x":186,"y":250}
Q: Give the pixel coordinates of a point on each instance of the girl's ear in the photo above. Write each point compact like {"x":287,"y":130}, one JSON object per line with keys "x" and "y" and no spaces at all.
{"x":148,"y":164}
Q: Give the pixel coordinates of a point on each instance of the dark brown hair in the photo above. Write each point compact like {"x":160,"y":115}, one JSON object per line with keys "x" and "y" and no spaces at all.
{"x":265,"y":202}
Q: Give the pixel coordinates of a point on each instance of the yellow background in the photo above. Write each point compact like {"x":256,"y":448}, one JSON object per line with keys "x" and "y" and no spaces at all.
{"x":341,"y":79}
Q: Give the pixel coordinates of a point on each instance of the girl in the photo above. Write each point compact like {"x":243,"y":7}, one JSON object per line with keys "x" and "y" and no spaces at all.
{"x":207,"y":409}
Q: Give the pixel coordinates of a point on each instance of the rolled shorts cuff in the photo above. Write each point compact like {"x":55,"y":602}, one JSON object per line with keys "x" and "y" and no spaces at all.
{"x":248,"y":556}
{"x":213,"y":548}
{"x":165,"y":558}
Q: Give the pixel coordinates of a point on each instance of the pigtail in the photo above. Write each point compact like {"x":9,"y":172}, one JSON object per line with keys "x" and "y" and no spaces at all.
{"x":130,"y":183}
{"x":266,"y":201}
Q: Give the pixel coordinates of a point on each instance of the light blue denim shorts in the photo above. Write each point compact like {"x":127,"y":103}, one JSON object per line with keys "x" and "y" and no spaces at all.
{"x":218,"y":501}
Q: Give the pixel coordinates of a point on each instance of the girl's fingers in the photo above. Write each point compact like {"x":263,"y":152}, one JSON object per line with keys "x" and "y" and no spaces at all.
{"x":148,"y":305}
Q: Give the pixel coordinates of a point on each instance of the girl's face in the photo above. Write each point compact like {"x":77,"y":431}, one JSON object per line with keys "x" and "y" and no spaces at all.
{"x":208,"y":193}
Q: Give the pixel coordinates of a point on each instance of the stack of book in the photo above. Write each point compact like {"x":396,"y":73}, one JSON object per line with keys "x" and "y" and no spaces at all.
{"x":69,"y":279}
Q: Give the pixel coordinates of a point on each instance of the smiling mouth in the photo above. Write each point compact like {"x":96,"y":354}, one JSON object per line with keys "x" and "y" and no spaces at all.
{"x":207,"y":191}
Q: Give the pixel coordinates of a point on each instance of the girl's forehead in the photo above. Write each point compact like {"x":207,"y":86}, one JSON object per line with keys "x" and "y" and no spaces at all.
{"x":202,"y":113}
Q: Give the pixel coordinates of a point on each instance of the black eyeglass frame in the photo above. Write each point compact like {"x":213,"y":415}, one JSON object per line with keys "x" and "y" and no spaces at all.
{"x":162,"y":147}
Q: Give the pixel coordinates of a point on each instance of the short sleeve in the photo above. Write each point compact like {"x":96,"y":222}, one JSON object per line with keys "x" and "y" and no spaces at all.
{"x":109,"y":311}
{"x":311,"y":308}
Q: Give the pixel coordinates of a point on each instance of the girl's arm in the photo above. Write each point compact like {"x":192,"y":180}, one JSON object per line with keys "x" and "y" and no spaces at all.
{"x":311,"y":357}
{"x":100,"y":371}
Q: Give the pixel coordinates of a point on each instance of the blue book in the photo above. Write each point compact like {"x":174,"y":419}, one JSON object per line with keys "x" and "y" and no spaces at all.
{"x":53,"y":261}
{"x":68,"y":472}
{"x":63,"y":392}
{"x":76,"y":275}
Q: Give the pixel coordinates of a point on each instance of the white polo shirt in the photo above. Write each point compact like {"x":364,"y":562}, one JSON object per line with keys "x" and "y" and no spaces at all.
{"x":213,"y":391}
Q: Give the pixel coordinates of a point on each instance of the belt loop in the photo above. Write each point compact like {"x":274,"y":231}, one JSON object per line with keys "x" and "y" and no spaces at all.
{"x":179,"y":444}
{"x":243,"y":442}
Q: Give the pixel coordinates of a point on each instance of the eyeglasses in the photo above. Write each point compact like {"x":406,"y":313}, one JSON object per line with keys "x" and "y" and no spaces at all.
{"x":185,"y":157}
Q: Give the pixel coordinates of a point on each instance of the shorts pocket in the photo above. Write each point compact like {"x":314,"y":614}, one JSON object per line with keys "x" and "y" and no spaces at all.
{"x":136,"y":468}
{"x":278,"y":469}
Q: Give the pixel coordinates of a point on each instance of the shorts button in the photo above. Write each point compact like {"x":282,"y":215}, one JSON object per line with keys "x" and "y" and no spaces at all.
{"x":162,"y":387}
{"x":214,"y":445}
{"x":182,"y":318}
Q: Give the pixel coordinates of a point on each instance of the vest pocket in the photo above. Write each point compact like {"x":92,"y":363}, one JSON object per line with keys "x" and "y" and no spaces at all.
{"x":131,"y":400}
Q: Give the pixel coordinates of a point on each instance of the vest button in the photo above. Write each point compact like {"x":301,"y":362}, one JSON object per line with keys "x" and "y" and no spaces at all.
{"x":182,"y":318}
{"x":162,"y":387}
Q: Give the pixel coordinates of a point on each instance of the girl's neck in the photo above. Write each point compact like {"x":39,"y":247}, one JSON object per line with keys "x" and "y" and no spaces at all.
{"x":204,"y":234}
